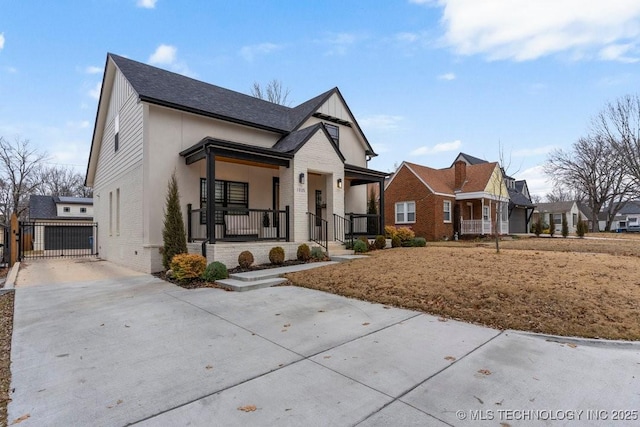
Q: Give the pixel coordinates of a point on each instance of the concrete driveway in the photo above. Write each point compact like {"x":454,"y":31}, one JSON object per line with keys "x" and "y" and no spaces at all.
{"x":137,"y":350}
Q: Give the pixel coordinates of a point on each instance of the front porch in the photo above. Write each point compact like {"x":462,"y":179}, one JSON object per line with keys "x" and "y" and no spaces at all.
{"x":481,"y":217}
{"x":482,"y":227}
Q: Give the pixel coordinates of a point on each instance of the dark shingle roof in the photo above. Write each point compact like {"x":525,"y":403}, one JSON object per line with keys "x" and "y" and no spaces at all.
{"x":163,"y":87}
{"x":555,"y":207}
{"x":42,"y":207}
{"x":73,"y":200}
{"x":470,"y":159}
{"x":631,"y":207}
{"x":292,"y":142}
{"x":517,"y":198}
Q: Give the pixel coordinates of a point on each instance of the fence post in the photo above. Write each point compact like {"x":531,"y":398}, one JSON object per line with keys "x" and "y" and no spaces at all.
{"x":189,"y":223}
{"x":14,"y":236}
{"x":288,"y":231}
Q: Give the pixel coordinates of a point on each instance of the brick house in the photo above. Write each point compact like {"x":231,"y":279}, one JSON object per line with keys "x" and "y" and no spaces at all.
{"x":436,"y":203}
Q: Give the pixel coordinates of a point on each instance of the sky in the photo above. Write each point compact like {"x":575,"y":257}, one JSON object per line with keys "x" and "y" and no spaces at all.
{"x":425,"y":79}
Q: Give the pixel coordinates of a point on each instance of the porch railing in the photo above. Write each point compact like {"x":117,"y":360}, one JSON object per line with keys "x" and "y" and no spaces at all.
{"x":482,"y":227}
{"x":318,"y":230}
{"x":239,"y":224}
{"x":364,"y":224}
{"x":342,"y":229}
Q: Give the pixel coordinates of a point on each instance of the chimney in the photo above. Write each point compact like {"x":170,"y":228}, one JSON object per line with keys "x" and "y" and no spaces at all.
{"x":461,"y":174}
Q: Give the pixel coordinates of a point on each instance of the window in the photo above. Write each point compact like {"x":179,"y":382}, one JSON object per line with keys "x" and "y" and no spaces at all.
{"x":557,"y":219}
{"x":110,"y":212}
{"x":405,"y":212}
{"x":228,"y":194}
{"x":574,"y":219}
{"x":116,"y":131}
{"x":485,"y":213}
{"x":66,"y":209}
{"x":83,"y":210}
{"x":504,"y":211}
{"x":334,"y":132}
{"x":447,"y":211}
{"x":118,"y":211}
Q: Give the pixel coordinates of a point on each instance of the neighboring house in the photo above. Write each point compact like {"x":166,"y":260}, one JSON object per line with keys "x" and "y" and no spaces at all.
{"x":57,"y":223}
{"x":627,"y":218}
{"x":520,"y":205}
{"x":552,"y":214}
{"x":249,"y":171}
{"x":436,"y":203}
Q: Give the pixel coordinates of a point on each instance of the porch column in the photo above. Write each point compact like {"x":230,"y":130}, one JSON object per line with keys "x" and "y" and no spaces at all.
{"x":381,"y":207}
{"x":211,"y":195}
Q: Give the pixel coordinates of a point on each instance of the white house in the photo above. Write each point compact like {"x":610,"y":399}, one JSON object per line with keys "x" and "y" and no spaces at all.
{"x":251,"y":174}
{"x":552,"y":214}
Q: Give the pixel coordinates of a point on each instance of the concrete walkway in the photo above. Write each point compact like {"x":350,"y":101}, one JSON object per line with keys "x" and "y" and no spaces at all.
{"x":137,"y":350}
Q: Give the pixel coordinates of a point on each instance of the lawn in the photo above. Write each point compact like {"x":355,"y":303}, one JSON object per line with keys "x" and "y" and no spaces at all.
{"x":571,"y":287}
{"x":6,"y":327}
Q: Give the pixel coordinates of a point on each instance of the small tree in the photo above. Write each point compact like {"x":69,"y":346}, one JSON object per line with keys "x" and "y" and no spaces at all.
{"x":581,"y":227}
{"x":173,"y":234}
{"x":372,"y":222}
{"x":537,"y":227}
{"x":552,"y":225}
{"x":565,"y":225}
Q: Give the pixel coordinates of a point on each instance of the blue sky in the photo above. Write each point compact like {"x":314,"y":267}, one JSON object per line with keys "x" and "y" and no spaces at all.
{"x":425,"y":79}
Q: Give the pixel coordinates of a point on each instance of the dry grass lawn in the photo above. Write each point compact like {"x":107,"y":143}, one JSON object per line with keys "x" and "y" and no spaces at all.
{"x":571,"y":287}
{"x":6,"y":327}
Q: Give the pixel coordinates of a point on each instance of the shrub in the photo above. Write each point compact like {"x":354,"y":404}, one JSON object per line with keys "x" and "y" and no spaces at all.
{"x":418,"y":242}
{"x":537,"y":227}
{"x":359,"y":246}
{"x":389,"y":231}
{"x":405,"y":234}
{"x":565,"y":225}
{"x":396,"y":242}
{"x":317,"y":253}
{"x":367,"y":243}
{"x":174,"y":238}
{"x":216,"y":271}
{"x":552,"y":226}
{"x":380,"y":242}
{"x":245,"y":259}
{"x":188,"y":266}
{"x":303,"y":253}
{"x":276,"y":255}
{"x":581,"y":227}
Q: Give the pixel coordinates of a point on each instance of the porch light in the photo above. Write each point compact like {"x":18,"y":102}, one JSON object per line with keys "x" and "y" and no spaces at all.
{"x":301,"y":178}
{"x":339,"y":182}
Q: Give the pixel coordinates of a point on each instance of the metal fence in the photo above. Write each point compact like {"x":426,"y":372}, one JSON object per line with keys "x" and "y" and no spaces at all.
{"x":57,"y":239}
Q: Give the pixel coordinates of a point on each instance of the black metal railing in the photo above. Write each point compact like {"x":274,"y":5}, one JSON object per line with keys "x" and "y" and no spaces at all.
{"x":365,"y":224}
{"x":342,"y":230}
{"x":57,"y":239}
{"x":239,"y":224}
{"x":318,"y":230}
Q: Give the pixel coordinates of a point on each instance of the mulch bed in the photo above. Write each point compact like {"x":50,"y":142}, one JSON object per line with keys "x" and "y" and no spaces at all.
{"x":6,"y":329}
{"x":199,"y":283}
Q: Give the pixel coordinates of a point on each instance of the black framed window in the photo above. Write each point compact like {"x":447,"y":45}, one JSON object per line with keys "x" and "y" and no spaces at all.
{"x":334,"y":133}
{"x":228,"y":194}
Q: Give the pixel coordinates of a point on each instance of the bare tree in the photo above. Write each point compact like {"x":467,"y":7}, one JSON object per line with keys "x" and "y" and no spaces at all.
{"x":592,"y":167}
{"x":561,"y":193}
{"x":619,"y":125}
{"x":61,"y":181}
{"x":19,"y":162}
{"x":274,"y":92}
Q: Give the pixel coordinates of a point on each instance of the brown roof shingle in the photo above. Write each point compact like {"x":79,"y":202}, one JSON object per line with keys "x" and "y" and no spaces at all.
{"x":443,"y":180}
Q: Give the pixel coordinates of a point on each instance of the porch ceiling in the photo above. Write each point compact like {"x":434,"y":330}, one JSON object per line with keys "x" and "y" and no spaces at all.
{"x":359,"y":175}
{"x":236,"y":152}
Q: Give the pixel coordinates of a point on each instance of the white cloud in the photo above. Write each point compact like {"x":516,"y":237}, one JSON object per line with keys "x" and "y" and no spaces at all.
{"x":340,"y":43}
{"x":95,"y":91}
{"x":92,"y":69}
{"x":1,"y":41}
{"x":164,"y":55}
{"x":524,"y":30}
{"x":147,"y":4}
{"x":539,"y":151}
{"x":537,"y":181}
{"x":438,"y":148}
{"x":447,"y":76}
{"x":380,"y":122}
{"x":167,"y":56}
{"x":251,"y":51}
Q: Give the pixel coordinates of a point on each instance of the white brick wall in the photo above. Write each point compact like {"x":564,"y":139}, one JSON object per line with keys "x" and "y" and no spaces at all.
{"x":227,"y":253}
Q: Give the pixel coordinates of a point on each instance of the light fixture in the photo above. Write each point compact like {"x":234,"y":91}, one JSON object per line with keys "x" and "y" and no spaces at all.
{"x":301,"y":178}
{"x":339,"y":182}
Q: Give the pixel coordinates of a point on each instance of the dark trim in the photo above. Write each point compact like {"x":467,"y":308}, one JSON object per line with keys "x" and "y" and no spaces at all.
{"x":211,"y":195}
{"x":332,"y":119}
{"x":360,"y":175}
{"x":235,"y":150}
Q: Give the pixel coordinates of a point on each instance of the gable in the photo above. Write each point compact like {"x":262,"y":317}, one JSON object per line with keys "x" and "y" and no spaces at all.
{"x":496,"y":183}
{"x":318,"y":149}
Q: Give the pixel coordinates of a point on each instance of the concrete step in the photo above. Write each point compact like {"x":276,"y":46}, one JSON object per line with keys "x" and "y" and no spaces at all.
{"x":348,"y":257}
{"x":242,"y":285}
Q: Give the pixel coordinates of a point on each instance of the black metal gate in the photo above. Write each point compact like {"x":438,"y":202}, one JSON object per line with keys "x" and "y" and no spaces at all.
{"x":39,"y":239}
{"x":4,"y":245}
